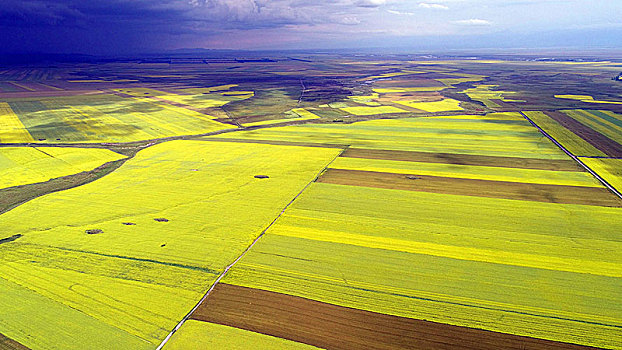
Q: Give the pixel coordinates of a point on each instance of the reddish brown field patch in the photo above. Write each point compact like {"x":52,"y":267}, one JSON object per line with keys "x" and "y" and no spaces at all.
{"x":336,"y":327}
{"x":471,"y":187}
{"x":464,"y":159}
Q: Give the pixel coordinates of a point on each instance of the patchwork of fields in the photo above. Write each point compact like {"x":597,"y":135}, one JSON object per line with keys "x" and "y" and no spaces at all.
{"x":106,"y":118}
{"x":334,"y":203}
{"x":482,"y":245}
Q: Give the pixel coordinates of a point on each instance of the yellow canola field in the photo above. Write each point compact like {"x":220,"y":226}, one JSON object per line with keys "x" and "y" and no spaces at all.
{"x":575,"y":144}
{"x":209,"y":101}
{"x":75,"y":334}
{"x":109,"y":118}
{"x":608,"y":169}
{"x":103,"y":81}
{"x":11,"y":128}
{"x":305,"y":114}
{"x":468,"y":261}
{"x":366,"y":100}
{"x":450,"y":82}
{"x":484,"y":94}
{"x":511,"y":138}
{"x":548,"y":177}
{"x":372,"y":110}
{"x":196,"y":91}
{"x":302,"y":113}
{"x":26,"y":165}
{"x":203,"y":335}
{"x":604,"y":122}
{"x":445,"y":105}
{"x":586,"y":98}
{"x":196,"y":100}
{"x":138,"y":275}
{"x":490,"y":117}
{"x":394,"y":74}
{"x":410,"y":89}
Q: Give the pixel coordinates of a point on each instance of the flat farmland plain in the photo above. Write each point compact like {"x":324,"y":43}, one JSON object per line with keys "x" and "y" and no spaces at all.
{"x":500,"y":242}
{"x":336,"y":202}
{"x":143,"y":265}
{"x":107,"y":118}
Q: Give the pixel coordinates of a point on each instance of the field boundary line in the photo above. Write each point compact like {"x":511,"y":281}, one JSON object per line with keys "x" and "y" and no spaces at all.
{"x":224,"y":272}
{"x":575,"y":158}
{"x":302,"y":93}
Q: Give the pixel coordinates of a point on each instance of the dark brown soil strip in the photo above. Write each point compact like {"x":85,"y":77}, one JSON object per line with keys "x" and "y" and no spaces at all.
{"x":336,"y":327}
{"x":10,"y":344}
{"x":593,"y":137}
{"x":470,"y":187}
{"x":465,"y":159}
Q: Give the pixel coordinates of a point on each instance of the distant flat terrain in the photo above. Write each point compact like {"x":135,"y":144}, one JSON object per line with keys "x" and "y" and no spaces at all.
{"x":320,"y":201}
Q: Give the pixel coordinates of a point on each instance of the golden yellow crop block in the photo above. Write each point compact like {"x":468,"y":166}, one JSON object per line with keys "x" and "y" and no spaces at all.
{"x":609,"y":169}
{"x":445,"y":105}
{"x":371,"y":110}
{"x":26,"y":165}
{"x":99,"y":249}
{"x":586,"y":98}
{"x":469,"y":261}
{"x":11,"y":128}
{"x":301,"y":112}
{"x":203,"y":335}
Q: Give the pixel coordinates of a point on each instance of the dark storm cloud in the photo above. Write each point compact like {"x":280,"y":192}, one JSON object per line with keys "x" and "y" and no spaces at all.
{"x":122,"y":24}
{"x":246,"y":14}
{"x":115,"y":26}
{"x":19,"y":13}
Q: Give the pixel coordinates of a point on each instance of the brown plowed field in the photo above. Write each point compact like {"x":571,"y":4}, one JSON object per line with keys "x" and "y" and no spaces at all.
{"x":471,"y":187}
{"x":464,"y":159}
{"x":593,"y":137}
{"x":10,"y":344}
{"x":336,"y":327}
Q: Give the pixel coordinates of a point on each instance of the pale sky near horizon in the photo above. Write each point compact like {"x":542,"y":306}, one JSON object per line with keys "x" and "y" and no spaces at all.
{"x":131,"y":26}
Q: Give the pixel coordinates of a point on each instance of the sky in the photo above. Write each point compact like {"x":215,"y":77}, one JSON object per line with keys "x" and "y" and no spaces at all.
{"x":108,"y":27}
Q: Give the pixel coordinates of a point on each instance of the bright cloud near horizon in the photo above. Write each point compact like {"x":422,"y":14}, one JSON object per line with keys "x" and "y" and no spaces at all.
{"x":132,"y":26}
